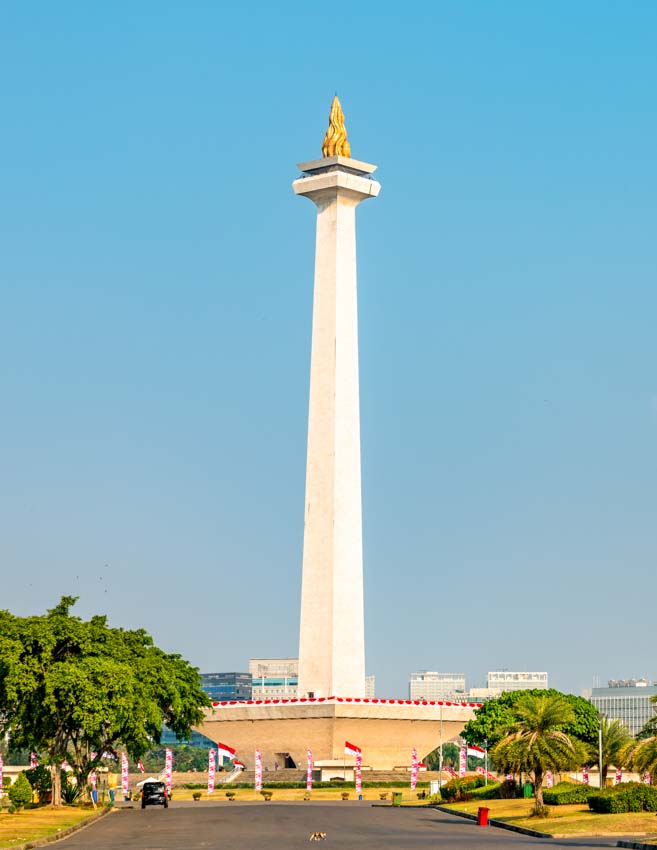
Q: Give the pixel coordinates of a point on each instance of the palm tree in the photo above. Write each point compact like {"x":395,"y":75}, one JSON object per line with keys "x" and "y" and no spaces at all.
{"x":535,"y":742}
{"x":642,"y":756}
{"x":615,"y":741}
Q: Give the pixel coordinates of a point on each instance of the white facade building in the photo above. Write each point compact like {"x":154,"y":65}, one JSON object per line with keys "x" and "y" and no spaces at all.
{"x":628,"y":700}
{"x":430,"y":685}
{"x":274,"y":678}
{"x":370,"y":682}
{"x":499,"y":681}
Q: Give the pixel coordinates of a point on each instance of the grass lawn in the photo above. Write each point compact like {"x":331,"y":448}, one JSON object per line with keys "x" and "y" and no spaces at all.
{"x":566,"y":820}
{"x":291,"y":794}
{"x":38,"y":823}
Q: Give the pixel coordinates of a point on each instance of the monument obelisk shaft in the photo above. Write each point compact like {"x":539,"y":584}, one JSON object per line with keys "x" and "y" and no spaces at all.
{"x":332,"y":640}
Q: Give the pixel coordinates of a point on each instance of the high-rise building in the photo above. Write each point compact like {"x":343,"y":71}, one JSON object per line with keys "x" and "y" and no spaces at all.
{"x":628,"y":700}
{"x":226,"y":686}
{"x":430,"y":685}
{"x":370,"y":684}
{"x":274,"y":678}
{"x":499,"y":681}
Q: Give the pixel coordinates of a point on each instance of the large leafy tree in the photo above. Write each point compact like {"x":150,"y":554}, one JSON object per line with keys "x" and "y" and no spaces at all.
{"x":74,"y":689}
{"x":497,"y":716}
{"x":615,"y":746}
{"x":536,"y":741}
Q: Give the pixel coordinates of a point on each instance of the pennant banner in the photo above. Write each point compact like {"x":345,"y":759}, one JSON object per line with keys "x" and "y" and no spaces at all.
{"x":258,"y":771}
{"x":309,"y":771}
{"x":92,"y":775}
{"x":124,"y":774}
{"x":549,"y":779}
{"x":414,"y":769}
{"x":357,"y":773}
{"x":211,"y":770}
{"x":585,"y":775}
{"x":449,"y":771}
{"x":646,"y":777}
{"x":619,"y":777}
{"x":34,"y":761}
{"x":168,"y":769}
{"x":2,"y":766}
{"x":463,"y":761}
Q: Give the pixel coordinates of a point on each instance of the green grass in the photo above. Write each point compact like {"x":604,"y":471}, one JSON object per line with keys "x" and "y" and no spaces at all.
{"x":40,"y":822}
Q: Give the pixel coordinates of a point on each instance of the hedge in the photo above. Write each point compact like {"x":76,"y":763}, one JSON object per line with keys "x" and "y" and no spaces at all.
{"x":274,"y":785}
{"x":492,"y":791}
{"x":566,"y":793}
{"x":626,"y":797}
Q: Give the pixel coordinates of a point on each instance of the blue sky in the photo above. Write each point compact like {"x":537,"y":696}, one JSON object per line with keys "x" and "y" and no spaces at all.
{"x":155,"y":308}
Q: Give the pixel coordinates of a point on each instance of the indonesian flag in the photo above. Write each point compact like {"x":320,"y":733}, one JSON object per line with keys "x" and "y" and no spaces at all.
{"x":140,"y":766}
{"x":239,"y":764}
{"x":475,"y":751}
{"x":224,"y":751}
{"x":352,"y":750}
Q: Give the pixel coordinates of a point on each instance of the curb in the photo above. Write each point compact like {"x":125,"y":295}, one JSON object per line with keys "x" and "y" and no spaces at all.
{"x":636,"y":845}
{"x":63,"y":833}
{"x":534,"y":833}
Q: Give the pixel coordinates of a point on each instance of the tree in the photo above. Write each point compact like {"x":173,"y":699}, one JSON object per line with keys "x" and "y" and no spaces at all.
{"x":74,"y":689}
{"x":450,"y":757}
{"x":20,"y":792}
{"x":536,"y":742}
{"x":497,"y":716}
{"x":641,"y":755}
{"x":615,"y":741}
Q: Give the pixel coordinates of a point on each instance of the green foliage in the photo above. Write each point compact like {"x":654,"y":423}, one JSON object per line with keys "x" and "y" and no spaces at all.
{"x":497,"y":716}
{"x":69,"y":687}
{"x":450,"y":757}
{"x":540,"y":812}
{"x":461,"y":789}
{"x":185,"y":758}
{"x":487,"y":792}
{"x":20,"y":793}
{"x":626,"y":797}
{"x":566,"y":793}
{"x":40,"y":780}
{"x":615,"y":746}
{"x":642,"y":755}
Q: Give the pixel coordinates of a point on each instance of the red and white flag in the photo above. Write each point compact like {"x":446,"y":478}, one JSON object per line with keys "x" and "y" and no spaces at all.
{"x":646,"y":779}
{"x":619,"y":777}
{"x":258,"y":770}
{"x":449,"y":771}
{"x":414,"y":768}
{"x":352,"y":749}
{"x":225,"y":752}
{"x":549,"y":779}
{"x":124,"y":774}
{"x":585,"y":775}
{"x":168,"y":768}
{"x":477,"y":752}
{"x":239,"y":764}
{"x":140,"y":766}
{"x":463,"y":761}
{"x":34,"y":761}
{"x":309,"y":771}
{"x":211,"y":770}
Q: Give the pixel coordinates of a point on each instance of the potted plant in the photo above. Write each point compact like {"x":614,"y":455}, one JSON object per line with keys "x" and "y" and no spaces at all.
{"x":230,"y":795}
{"x":345,"y":795}
{"x":267,"y":795}
{"x":196,"y":795}
{"x":383,"y":795}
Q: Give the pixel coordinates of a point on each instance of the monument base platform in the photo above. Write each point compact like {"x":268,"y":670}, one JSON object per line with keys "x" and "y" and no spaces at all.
{"x":284,"y":730}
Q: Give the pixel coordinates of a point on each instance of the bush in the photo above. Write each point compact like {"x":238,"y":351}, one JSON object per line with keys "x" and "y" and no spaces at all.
{"x":567,"y":793}
{"x":540,"y":812}
{"x":626,"y":797}
{"x":40,"y":780}
{"x":196,"y":795}
{"x":487,"y":792}
{"x":509,"y":789}
{"x":20,"y":793}
{"x":461,"y":790}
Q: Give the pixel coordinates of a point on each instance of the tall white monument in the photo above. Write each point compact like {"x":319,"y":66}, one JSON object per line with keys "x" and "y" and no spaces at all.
{"x":332,"y":639}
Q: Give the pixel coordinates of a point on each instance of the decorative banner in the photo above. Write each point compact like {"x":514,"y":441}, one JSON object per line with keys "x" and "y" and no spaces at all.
{"x":549,"y":779}
{"x":258,"y":771}
{"x":168,"y":768}
{"x":124,"y":774}
{"x":414,"y":768}
{"x":646,"y":777}
{"x":477,"y":752}
{"x":482,"y":772}
{"x":65,"y":765}
{"x":619,"y":777}
{"x":449,"y":771}
{"x":509,"y":777}
{"x":92,"y":775}
{"x":34,"y":761}
{"x":463,"y":761}
{"x":140,"y":766}
{"x":211,"y":769}
{"x":224,"y":751}
{"x":357,"y":773}
{"x":2,"y":764}
{"x":309,"y":771}
{"x":585,"y":775}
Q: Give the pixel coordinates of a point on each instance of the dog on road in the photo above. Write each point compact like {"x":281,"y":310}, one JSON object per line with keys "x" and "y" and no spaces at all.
{"x":317,"y":836}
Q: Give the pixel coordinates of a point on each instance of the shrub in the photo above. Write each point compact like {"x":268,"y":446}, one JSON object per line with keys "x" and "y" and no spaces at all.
{"x":540,"y":812}
{"x":196,"y":795}
{"x":509,"y":789}
{"x":626,"y":797}
{"x":487,"y":792}
{"x":566,"y":793}
{"x":461,"y":790}
{"x":39,"y":779}
{"x":20,"y":793}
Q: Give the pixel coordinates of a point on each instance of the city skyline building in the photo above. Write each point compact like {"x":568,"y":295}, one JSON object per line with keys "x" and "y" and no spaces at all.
{"x":227,"y":686}
{"x":627,"y":700}
{"x":431,"y":685}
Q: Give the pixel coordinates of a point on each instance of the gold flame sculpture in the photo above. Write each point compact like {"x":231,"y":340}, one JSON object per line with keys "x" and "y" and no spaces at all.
{"x":335,"y":141}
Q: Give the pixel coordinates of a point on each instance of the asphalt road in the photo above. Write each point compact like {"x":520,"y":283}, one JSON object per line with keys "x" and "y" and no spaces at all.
{"x":286,"y":826}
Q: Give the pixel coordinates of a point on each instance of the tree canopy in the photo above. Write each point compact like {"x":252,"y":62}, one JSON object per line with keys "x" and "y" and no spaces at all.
{"x":71,"y":689}
{"x":497,"y":716}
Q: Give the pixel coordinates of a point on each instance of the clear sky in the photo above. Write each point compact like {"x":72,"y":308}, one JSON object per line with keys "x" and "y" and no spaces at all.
{"x":155,"y":308}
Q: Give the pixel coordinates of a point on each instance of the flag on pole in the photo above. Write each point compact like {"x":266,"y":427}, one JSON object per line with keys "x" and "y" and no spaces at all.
{"x":463,"y":761}
{"x":585,"y":775}
{"x":34,"y":761}
{"x":549,"y":779}
{"x":225,"y":752}
{"x":140,"y":766}
{"x":414,"y":768}
{"x":351,"y":749}
{"x":258,"y":770}
{"x":211,"y":770}
{"x":124,"y":775}
{"x":168,"y":769}
{"x":477,"y":752}
{"x":309,"y":771}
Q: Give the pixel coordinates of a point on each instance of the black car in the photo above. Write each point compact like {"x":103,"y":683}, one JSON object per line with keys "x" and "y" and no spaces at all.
{"x":154,"y":794}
